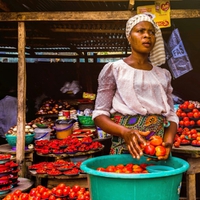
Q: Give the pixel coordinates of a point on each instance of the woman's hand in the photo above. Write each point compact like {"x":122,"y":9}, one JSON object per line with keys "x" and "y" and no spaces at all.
{"x":168,"y":147}
{"x":133,"y":138}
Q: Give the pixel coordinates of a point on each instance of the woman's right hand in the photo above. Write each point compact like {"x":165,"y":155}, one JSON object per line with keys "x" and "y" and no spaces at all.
{"x":133,"y":139}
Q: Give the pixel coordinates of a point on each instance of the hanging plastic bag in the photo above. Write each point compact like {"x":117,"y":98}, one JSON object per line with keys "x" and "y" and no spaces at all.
{"x":177,"y":57}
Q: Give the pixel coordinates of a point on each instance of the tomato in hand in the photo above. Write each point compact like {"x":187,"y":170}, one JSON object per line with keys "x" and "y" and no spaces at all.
{"x":149,"y":149}
{"x":160,"y":151}
{"x":156,"y":140}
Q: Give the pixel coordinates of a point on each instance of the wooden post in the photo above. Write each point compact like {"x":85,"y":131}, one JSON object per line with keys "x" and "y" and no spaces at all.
{"x":21,"y":118}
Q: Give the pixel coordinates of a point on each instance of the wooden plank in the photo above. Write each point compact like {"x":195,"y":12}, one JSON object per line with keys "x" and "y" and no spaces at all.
{"x":20,"y":155}
{"x":81,"y":16}
{"x":131,"y":5}
{"x":194,"y":165}
{"x":191,"y":189}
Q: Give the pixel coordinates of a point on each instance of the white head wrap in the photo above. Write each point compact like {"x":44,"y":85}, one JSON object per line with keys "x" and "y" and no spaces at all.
{"x":157,"y":54}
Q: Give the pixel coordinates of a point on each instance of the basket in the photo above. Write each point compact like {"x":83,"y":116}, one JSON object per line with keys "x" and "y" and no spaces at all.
{"x":12,"y":139}
{"x":85,"y":120}
{"x":165,"y":185}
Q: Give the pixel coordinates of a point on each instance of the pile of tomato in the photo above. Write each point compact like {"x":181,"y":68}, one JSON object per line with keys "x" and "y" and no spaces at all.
{"x":71,"y":144}
{"x":60,"y":192}
{"x":189,"y":122}
{"x":154,"y":146}
{"x":129,"y":168}
{"x":189,"y":115}
{"x":58,"y":167}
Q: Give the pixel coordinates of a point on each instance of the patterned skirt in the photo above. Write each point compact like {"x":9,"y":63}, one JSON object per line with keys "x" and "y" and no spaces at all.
{"x":153,"y":123}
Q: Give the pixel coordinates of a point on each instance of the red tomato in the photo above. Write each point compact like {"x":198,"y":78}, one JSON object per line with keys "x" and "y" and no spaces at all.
{"x":195,"y":110}
{"x":24,"y":196}
{"x":196,"y":114}
{"x":160,"y":150}
{"x":66,"y":190}
{"x":59,"y":192}
{"x":194,"y":142}
{"x":156,"y":140}
{"x":186,"y":119}
{"x":72,"y":195}
{"x":17,"y":192}
{"x":33,"y":192}
{"x":193,"y":131}
{"x":191,"y":106}
{"x":176,"y":144}
{"x":101,"y":169}
{"x":192,"y":122}
{"x":187,"y":123}
{"x":149,"y":149}
{"x":119,"y":166}
{"x":194,"y":136}
{"x":198,"y":122}
{"x":76,"y":188}
{"x":81,"y":197}
{"x":190,"y":114}
{"x":183,"y":114}
{"x":45,"y":195}
{"x":82,"y":189}
{"x":52,"y":197}
{"x":185,"y":141}
{"x":61,"y":186}
{"x":181,"y":123}
{"x":110,"y":168}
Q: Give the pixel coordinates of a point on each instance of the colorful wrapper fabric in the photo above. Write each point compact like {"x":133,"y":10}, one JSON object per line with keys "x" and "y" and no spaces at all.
{"x":152,"y":123}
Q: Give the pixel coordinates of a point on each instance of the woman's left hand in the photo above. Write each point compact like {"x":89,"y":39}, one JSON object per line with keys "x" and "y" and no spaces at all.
{"x":168,"y":147}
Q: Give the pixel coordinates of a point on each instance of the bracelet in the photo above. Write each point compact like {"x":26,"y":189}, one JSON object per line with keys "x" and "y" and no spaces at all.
{"x":167,"y":144}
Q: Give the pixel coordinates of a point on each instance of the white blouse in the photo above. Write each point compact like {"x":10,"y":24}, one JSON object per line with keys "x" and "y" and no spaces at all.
{"x":131,"y":91}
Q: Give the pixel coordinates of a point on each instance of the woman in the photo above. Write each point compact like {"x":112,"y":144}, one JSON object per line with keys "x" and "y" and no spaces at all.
{"x":136,"y":93}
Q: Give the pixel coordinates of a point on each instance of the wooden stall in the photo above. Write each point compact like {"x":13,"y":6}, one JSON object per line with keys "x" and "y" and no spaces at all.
{"x":81,"y":28}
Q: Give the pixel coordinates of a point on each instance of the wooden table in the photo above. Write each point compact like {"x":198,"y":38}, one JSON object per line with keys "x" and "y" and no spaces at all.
{"x":192,"y":155}
{"x":6,"y":149}
{"x":52,"y":181}
{"x":24,"y":185}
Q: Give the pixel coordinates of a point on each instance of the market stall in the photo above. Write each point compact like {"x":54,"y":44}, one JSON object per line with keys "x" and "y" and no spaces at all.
{"x":23,"y":18}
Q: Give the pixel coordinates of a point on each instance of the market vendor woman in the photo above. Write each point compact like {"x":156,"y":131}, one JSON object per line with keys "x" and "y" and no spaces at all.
{"x":134,"y":97}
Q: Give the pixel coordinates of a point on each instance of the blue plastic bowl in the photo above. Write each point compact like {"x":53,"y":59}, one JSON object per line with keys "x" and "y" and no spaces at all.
{"x":12,"y":139}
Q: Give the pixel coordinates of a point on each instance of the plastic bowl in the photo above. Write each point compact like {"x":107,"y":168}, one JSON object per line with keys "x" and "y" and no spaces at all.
{"x":85,"y":120}
{"x":163,"y":185}
{"x":158,"y":168}
{"x":12,"y":139}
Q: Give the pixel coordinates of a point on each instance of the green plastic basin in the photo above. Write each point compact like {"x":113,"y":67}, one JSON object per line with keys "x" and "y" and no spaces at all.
{"x":163,"y":185}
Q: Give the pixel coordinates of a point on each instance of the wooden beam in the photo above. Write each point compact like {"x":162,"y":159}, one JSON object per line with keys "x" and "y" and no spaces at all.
{"x":81,"y":16}
{"x":131,"y":5}
{"x":21,"y":116}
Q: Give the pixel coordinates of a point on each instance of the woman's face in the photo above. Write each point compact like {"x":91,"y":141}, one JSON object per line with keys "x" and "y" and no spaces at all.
{"x":142,"y":37}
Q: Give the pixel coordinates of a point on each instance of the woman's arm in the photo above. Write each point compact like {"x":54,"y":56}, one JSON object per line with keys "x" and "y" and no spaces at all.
{"x":132,"y":137}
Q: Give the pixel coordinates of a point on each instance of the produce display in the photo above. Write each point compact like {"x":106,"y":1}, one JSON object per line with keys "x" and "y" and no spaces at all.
{"x":58,"y":167}
{"x":8,"y":173}
{"x":69,"y":145}
{"x":53,"y":107}
{"x":61,"y":191}
{"x":188,"y":132}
